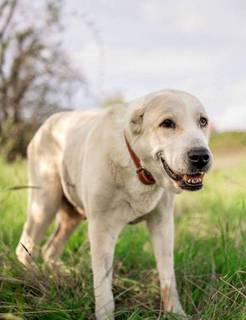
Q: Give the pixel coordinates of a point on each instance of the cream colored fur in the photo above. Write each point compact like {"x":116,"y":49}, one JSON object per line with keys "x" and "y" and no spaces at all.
{"x":80,"y":167}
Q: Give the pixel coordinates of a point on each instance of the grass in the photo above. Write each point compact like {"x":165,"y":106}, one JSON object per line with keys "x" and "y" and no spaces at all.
{"x":221,"y":141}
{"x":210,"y":257}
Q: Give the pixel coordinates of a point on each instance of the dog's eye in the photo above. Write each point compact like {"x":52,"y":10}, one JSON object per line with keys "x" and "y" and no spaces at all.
{"x":203,"y":122}
{"x":168,"y":123}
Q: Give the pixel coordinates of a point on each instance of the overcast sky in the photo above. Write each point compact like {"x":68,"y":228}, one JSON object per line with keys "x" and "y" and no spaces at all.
{"x":138,"y":46}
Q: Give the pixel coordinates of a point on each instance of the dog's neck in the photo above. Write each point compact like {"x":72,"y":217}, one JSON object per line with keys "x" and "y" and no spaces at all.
{"x":143,"y":175}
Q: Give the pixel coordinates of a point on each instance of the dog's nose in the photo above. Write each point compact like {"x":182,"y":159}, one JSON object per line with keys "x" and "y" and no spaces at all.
{"x":199,"y":157}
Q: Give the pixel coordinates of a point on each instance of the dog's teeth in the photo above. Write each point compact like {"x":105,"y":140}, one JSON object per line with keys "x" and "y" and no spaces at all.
{"x":193,"y":180}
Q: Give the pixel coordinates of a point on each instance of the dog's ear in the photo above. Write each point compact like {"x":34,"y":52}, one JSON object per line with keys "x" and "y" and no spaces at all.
{"x":136,"y":120}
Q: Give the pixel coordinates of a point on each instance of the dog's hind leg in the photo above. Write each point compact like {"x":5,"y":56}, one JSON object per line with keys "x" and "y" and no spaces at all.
{"x":44,"y":199}
{"x":41,"y":211}
{"x":68,"y":220}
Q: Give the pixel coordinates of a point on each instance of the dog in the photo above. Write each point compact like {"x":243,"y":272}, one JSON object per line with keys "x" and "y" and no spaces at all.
{"x":113,"y":167}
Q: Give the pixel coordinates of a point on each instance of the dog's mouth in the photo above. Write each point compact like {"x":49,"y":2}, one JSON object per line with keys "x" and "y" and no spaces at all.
{"x":191,"y":182}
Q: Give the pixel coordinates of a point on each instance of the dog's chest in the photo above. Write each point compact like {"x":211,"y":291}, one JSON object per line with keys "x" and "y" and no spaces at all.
{"x":143,"y":200}
{"x":140,"y":199}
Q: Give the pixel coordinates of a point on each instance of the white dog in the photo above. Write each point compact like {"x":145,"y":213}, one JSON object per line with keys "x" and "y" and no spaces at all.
{"x":115,"y":166}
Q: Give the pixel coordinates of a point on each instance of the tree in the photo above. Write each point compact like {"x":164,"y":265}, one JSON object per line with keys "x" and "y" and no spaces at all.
{"x":36,"y":76}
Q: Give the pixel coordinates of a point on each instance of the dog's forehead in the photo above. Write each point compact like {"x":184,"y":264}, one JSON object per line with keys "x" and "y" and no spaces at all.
{"x":175,"y":102}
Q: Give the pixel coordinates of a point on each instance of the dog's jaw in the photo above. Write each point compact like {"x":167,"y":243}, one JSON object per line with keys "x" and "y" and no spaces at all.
{"x":188,"y":181}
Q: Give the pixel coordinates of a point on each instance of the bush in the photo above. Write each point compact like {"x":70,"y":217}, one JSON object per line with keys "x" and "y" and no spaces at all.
{"x":15,"y":139}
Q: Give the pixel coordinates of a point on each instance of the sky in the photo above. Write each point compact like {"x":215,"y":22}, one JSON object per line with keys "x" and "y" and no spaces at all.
{"x":139,"y":46}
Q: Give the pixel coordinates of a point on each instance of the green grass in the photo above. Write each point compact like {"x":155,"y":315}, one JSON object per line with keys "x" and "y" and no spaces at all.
{"x":225,"y":141}
{"x":210,"y":258}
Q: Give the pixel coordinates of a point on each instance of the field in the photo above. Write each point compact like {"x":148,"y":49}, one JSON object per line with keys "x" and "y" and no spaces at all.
{"x":210,"y":253}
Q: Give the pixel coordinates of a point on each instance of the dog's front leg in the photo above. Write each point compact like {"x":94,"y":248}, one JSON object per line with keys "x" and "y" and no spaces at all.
{"x":161,"y":226}
{"x":103,"y":234}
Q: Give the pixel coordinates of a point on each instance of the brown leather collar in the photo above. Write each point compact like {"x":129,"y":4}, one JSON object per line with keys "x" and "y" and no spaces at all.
{"x":143,"y":175}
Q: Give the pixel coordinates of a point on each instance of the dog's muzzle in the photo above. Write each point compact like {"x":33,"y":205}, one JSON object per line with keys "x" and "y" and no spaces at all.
{"x":188,"y":181}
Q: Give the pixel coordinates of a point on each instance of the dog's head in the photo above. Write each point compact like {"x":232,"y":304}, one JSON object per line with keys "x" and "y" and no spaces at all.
{"x":168,"y":131}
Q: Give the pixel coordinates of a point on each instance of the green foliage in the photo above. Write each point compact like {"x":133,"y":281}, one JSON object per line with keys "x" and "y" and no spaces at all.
{"x":15,"y":138}
{"x":209,"y":257}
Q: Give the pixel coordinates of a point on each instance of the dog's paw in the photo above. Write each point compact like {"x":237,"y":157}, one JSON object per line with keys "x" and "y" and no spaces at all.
{"x":178,"y":310}
{"x":171,"y":302}
{"x":58,"y":267}
{"x":26,"y":259}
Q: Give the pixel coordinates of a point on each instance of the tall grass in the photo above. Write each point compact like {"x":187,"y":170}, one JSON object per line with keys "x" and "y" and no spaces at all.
{"x":210,"y":258}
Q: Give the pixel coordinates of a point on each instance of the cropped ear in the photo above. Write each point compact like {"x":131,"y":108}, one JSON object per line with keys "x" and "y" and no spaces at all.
{"x":136,"y":120}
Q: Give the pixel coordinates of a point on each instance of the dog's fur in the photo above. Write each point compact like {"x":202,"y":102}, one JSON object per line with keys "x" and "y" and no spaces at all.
{"x":79,"y":167}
